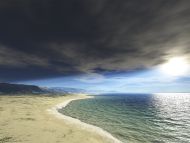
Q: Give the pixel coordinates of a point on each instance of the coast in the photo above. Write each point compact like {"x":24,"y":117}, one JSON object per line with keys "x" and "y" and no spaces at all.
{"x":25,"y":119}
{"x":76,"y":122}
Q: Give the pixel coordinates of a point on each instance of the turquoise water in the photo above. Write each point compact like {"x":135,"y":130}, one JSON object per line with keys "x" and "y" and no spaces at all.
{"x":137,"y":118}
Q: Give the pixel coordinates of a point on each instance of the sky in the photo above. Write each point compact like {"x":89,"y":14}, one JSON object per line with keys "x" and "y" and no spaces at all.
{"x":147,"y":81}
{"x":99,"y":45}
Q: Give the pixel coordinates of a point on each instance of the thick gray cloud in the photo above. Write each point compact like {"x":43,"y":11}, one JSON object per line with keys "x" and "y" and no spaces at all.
{"x":13,"y":58}
{"x":89,"y":36}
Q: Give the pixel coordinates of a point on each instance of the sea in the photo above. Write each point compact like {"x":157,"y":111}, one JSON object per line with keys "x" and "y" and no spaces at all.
{"x":137,"y":118}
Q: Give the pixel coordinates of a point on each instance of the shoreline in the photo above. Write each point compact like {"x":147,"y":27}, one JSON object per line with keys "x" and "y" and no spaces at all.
{"x":25,"y":119}
{"x":91,"y":128}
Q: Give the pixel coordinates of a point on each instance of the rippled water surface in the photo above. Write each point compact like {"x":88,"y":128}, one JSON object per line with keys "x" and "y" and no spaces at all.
{"x":137,"y":118}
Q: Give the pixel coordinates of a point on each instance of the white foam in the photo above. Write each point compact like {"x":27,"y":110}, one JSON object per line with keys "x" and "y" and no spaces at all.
{"x":73,"y":121}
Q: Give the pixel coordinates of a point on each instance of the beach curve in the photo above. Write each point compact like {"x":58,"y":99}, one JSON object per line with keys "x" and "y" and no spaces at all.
{"x":91,"y":128}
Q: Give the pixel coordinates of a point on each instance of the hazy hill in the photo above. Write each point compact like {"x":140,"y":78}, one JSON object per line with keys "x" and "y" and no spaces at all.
{"x":63,"y":90}
{"x":7,"y":88}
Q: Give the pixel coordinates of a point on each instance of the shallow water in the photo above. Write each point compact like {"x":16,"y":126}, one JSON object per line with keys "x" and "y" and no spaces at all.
{"x":137,"y":118}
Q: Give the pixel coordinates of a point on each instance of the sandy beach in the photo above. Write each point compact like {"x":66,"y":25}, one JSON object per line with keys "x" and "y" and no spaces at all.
{"x":33,"y":119}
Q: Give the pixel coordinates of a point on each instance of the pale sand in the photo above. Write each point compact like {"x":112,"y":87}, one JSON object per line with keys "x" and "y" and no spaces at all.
{"x":25,"y":119}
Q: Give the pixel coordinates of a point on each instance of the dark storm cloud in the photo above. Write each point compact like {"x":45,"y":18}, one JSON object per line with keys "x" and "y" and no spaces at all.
{"x":56,"y":37}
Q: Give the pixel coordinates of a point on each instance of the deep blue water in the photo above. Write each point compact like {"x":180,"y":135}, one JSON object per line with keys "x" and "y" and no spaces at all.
{"x":137,"y":118}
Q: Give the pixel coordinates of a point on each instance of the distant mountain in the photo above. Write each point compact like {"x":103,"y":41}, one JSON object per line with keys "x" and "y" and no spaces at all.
{"x":63,"y":90}
{"x":7,"y":88}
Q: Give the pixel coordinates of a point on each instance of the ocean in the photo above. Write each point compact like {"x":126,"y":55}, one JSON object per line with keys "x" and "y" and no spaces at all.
{"x":137,"y":118}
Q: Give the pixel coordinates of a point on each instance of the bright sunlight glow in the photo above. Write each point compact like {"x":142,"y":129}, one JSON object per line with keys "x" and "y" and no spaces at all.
{"x":177,"y":66}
